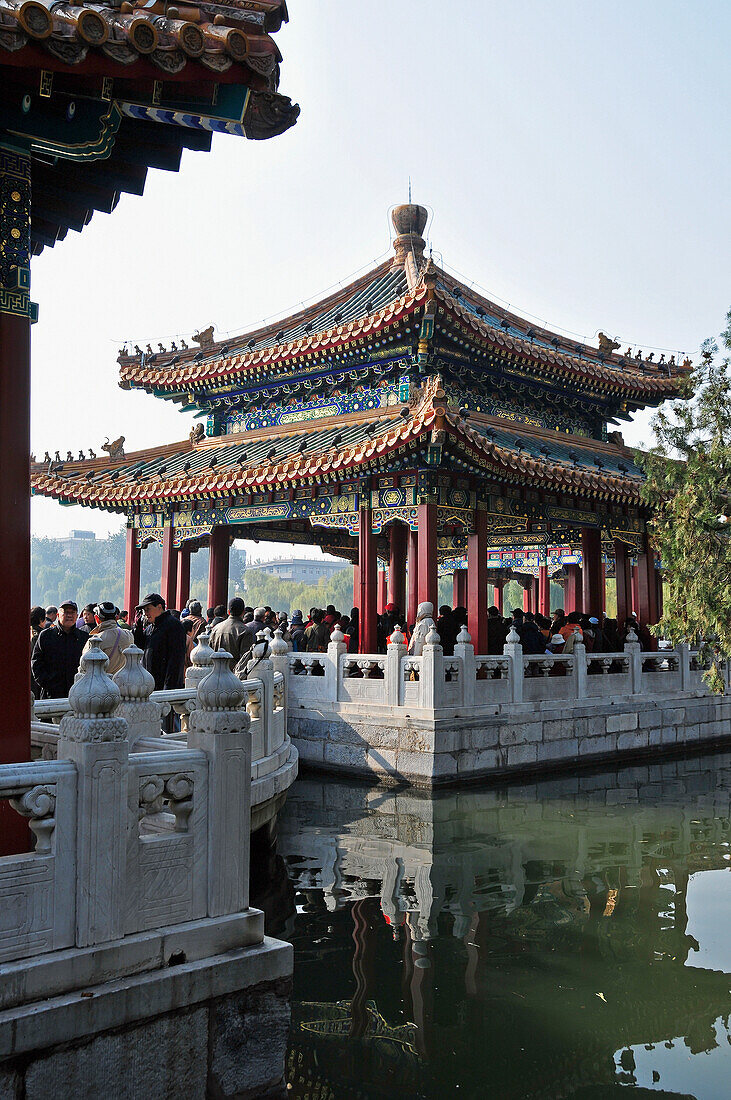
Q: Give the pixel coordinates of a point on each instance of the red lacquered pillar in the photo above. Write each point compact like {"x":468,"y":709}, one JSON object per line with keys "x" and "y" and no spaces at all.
{"x":397,"y":566}
{"x":498,"y":591}
{"x":382,"y":598}
{"x":169,"y":571}
{"x":544,"y":591}
{"x":477,"y":583}
{"x":182,"y":588}
{"x":459,"y":588}
{"x":636,"y":589}
{"x":623,"y":575}
{"x":572,"y":592}
{"x":132,"y":555}
{"x":218,"y":567}
{"x":367,"y":603}
{"x":647,"y":585}
{"x":15,"y":310}
{"x":528,"y":596}
{"x":592,"y":588}
{"x":413,"y":578}
{"x":356,"y":585}
{"x":427,"y":569}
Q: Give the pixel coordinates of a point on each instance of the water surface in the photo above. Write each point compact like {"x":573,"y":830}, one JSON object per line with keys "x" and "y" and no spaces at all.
{"x":564,"y":939}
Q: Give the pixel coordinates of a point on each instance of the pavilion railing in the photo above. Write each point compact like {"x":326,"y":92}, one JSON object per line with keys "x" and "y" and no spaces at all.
{"x":432,"y":680}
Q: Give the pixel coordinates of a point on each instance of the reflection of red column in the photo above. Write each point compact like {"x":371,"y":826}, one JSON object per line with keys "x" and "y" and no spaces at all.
{"x":218,"y":567}
{"x":459,"y":588}
{"x":397,"y":566}
{"x":131,"y":573}
{"x":15,"y":504}
{"x":182,"y":590}
{"x":591,"y":553}
{"x":413,"y":577}
{"x":622,"y":572}
{"x":477,"y":583}
{"x":169,"y":573}
{"x":427,"y":572}
{"x":368,"y":565}
{"x":572,"y":592}
{"x":382,"y":598}
{"x":544,"y":591}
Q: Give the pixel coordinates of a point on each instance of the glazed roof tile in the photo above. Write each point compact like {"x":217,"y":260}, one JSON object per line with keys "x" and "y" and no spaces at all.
{"x":273,"y":457}
{"x":374,"y":302}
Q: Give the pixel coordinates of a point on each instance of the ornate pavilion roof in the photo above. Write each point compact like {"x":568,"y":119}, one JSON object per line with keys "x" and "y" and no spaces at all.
{"x":102,"y":92}
{"x":391,"y":297}
{"x":342,"y":447}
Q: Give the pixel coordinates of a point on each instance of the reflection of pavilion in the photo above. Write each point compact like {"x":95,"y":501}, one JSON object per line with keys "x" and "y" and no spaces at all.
{"x":510,"y":915}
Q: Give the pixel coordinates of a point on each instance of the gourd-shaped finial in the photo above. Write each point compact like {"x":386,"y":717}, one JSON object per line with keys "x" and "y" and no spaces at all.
{"x":220,"y":689}
{"x":95,"y":694}
{"x":279,"y":647}
{"x":135,"y":683}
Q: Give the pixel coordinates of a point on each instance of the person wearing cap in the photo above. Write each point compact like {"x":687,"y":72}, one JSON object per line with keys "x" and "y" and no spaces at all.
{"x":163,"y":641}
{"x":113,"y":637}
{"x":232,"y":634}
{"x":297,"y":632}
{"x":57,"y":653}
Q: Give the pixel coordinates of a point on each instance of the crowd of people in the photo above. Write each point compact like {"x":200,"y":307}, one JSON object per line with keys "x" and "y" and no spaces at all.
{"x":61,"y":635}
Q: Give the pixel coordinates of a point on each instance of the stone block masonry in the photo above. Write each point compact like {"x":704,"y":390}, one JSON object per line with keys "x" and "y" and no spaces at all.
{"x":431,"y":721}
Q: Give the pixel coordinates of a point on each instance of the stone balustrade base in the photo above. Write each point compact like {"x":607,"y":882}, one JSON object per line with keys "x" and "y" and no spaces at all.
{"x":147,"y":1016}
{"x":453,"y":746}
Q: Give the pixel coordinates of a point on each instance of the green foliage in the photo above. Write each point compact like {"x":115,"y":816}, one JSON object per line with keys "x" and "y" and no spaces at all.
{"x":688,"y":487}
{"x":94,"y":570}
{"x":267,"y":591}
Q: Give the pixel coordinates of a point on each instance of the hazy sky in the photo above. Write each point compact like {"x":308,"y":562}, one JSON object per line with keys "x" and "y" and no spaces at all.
{"x":576,"y":158}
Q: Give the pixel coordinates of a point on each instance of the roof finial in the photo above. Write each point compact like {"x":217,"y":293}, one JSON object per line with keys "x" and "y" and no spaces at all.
{"x":409,"y":221}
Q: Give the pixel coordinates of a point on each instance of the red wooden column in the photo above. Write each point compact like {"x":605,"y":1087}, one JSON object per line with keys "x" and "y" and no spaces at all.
{"x":397,"y":534}
{"x":592,"y":588}
{"x":413,"y":599}
{"x":356,"y":585}
{"x":477,"y":583}
{"x":544,"y":591}
{"x":382,"y":598}
{"x":497,"y":596}
{"x":427,"y":570}
{"x":636,"y":589}
{"x":647,"y":584}
{"x":459,"y":588}
{"x":182,"y":588}
{"x":218,"y":567}
{"x":132,"y":555}
{"x":169,"y":571}
{"x":15,"y":312}
{"x":572,"y":593}
{"x":368,"y":567}
{"x":623,"y":575}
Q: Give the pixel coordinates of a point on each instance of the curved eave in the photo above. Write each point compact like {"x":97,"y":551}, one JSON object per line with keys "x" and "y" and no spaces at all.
{"x":590,"y":372}
{"x":248,"y":365}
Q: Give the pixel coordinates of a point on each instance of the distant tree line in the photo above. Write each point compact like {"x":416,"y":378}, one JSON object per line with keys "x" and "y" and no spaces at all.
{"x":94,"y":570}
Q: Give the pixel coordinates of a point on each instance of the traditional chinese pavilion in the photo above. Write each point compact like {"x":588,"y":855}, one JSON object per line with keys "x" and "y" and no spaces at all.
{"x":91,"y":96}
{"x":406,"y":418}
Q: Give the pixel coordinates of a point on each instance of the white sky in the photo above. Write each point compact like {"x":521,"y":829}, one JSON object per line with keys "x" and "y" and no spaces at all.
{"x":576,"y":158}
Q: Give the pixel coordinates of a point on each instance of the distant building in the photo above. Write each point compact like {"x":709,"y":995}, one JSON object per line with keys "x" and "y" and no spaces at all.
{"x":71,"y":547}
{"x":301,"y":570}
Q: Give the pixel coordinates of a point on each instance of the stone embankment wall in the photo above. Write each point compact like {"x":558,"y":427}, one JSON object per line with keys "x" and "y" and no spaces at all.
{"x":431,"y":751}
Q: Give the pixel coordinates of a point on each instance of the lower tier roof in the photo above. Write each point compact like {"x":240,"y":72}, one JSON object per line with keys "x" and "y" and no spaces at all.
{"x":346,"y":447}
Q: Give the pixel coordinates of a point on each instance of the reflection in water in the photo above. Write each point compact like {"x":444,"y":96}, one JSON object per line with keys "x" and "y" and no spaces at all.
{"x":525,"y":942}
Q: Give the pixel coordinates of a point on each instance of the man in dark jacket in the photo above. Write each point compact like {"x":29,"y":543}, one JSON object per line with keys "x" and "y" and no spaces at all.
{"x":163,"y":641}
{"x":497,"y":630}
{"x":58,"y":652}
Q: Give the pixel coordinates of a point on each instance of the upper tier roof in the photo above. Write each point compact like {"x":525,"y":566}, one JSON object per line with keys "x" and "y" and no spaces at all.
{"x":408,"y":286}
